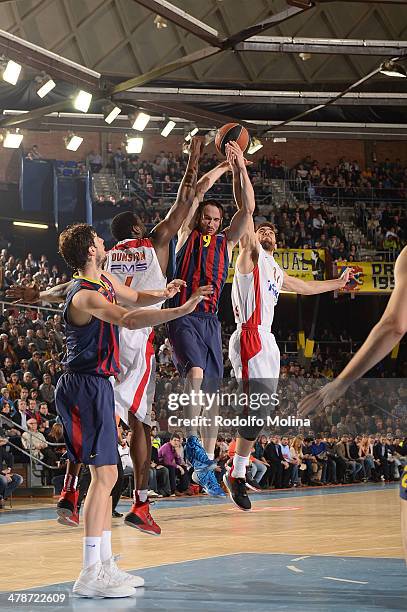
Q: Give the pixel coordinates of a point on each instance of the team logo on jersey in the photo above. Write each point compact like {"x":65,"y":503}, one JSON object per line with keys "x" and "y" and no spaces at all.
{"x":124,"y":268}
{"x":272,"y":287}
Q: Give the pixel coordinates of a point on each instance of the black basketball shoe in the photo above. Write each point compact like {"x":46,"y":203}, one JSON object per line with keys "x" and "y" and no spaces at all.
{"x":237,"y":491}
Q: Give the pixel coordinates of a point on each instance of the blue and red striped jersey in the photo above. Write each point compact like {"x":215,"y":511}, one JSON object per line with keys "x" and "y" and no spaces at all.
{"x":92,"y":348}
{"x":202,"y":260}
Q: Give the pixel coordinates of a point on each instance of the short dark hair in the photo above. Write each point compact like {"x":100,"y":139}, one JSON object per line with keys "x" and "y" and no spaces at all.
{"x":74,"y":244}
{"x":266,"y":224}
{"x":175,"y":436}
{"x":122,"y":225}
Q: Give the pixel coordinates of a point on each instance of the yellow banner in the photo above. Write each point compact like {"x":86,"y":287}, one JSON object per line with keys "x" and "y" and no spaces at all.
{"x":307,"y":264}
{"x":369,"y":276}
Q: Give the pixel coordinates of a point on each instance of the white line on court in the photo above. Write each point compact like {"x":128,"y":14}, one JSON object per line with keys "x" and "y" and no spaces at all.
{"x":295,"y":569}
{"x":301,"y":558}
{"x":344,"y":580}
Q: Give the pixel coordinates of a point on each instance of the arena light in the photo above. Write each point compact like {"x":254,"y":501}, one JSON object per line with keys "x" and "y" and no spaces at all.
{"x":134,"y":145}
{"x":111,"y":112}
{"x":12,"y":140}
{"x":141,"y":121}
{"x":30,"y":224}
{"x":170,"y":125}
{"x":73,"y":142}
{"x":392,"y":69}
{"x":255,"y":145}
{"x":11,"y":72}
{"x":194,"y":131}
{"x":210,"y":137}
{"x":82,"y":101}
{"x":46,"y":84}
{"x":160,"y":22}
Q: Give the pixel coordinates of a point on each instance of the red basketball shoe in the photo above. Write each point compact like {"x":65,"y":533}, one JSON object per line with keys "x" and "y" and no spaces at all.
{"x":140,"y":518}
{"x":67,"y":509}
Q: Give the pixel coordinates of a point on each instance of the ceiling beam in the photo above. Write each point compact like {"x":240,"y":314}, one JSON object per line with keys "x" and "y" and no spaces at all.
{"x":60,"y":68}
{"x":183,"y":19}
{"x":286,"y":44}
{"x":384,"y":2}
{"x":244,"y":96}
{"x":161,"y":71}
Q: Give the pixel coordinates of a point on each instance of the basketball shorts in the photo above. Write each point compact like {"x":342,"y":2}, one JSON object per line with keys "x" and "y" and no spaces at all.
{"x":197,"y":342}
{"x":85,"y":405}
{"x":403,"y":484}
{"x":255,"y":358}
{"x":134,"y":388}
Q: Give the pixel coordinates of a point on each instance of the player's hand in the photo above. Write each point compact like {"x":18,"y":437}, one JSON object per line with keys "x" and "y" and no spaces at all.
{"x":322,"y":398}
{"x":196,"y":146}
{"x":173,"y":287}
{"x":202,"y":293}
{"x":23,"y":295}
{"x":345,"y":277}
{"x":235,"y":153}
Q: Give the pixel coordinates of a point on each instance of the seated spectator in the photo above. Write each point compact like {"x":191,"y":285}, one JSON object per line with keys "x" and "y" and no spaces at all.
{"x":8,"y":480}
{"x":33,"y":441}
{"x":47,"y":390}
{"x":178,"y":471}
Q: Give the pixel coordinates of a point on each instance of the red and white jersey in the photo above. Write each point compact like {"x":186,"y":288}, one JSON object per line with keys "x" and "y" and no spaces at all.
{"x":255,"y":295}
{"x":134,"y":262}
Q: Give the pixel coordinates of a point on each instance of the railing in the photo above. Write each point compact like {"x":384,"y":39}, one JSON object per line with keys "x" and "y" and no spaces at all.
{"x":12,"y":305}
{"x":32,"y":458}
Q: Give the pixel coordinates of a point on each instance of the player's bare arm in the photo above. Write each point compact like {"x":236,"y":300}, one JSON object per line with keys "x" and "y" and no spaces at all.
{"x":32,"y":294}
{"x":86,"y":304}
{"x":297,"y":285}
{"x":381,"y":340}
{"x":240,"y":222}
{"x":148,"y":297}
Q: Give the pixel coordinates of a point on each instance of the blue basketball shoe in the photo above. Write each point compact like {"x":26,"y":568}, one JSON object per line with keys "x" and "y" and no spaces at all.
{"x":207,"y":479}
{"x":196,"y":454}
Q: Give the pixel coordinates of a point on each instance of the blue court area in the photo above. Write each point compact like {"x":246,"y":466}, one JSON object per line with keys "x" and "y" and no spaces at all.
{"x":17,"y":515}
{"x":259,"y":583}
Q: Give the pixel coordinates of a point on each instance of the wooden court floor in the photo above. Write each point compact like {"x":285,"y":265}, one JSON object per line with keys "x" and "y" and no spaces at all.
{"x":352,"y":522}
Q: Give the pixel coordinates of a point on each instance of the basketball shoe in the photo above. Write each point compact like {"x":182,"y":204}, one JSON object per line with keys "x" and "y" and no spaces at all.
{"x":120,"y":576}
{"x":196,"y":455}
{"x":67,"y":508}
{"x":207,"y":480}
{"x":94,"y":581}
{"x":140,"y":517}
{"x":237,"y":491}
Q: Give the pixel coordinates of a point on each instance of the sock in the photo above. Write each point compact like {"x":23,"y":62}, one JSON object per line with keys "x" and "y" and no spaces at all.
{"x":91,"y":551}
{"x":106,"y":546}
{"x":239,"y":466}
{"x":211,"y":456}
{"x":70,"y":482}
{"x":135,"y":500}
{"x":142,"y":495}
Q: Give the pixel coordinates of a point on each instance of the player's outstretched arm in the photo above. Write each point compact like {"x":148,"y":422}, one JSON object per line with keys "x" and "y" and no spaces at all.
{"x":381,"y":340}
{"x":32,"y":294}
{"x":149,"y":297}
{"x":290,"y":283}
{"x":242,"y":222}
{"x":90,"y":303}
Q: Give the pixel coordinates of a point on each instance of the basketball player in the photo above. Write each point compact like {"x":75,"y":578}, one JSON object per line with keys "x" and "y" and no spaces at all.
{"x":203,"y":253}
{"x":253,"y":350}
{"x":139,"y":262}
{"x":381,"y":340}
{"x":84,"y":395}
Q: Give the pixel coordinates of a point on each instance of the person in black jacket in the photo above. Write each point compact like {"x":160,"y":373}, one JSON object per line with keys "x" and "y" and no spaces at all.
{"x":274,"y":457}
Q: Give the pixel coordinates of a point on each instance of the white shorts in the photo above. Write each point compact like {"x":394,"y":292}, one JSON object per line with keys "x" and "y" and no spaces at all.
{"x":254,"y":354}
{"x":135,"y":386}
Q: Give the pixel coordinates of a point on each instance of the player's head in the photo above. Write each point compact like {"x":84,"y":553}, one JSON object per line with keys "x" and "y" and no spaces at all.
{"x":266,"y":234}
{"x":80,"y":245}
{"x":209,"y":217}
{"x":127,"y":225}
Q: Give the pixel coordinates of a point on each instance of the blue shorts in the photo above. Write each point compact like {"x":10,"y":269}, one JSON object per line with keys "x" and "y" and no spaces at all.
{"x":403,"y":484}
{"x":197,"y":342}
{"x":85,"y":404}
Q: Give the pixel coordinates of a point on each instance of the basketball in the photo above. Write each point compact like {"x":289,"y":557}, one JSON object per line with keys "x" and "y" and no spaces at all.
{"x":231,"y":131}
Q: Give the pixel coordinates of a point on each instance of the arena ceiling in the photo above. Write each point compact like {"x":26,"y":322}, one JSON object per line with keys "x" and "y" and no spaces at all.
{"x":247,"y":73}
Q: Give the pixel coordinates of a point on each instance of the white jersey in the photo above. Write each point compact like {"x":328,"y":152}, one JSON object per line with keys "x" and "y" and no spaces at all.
{"x":134,"y":263}
{"x":255,"y":295}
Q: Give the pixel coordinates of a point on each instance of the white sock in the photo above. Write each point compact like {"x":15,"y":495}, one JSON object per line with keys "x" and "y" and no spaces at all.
{"x":211,"y":456}
{"x":142,"y":495}
{"x":91,"y":551}
{"x":239,"y":466}
{"x":106,"y":546}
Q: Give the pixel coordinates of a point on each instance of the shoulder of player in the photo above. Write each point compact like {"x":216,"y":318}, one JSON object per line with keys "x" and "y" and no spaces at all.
{"x":83,"y":297}
{"x":400,"y":267}
{"x":133,"y":243}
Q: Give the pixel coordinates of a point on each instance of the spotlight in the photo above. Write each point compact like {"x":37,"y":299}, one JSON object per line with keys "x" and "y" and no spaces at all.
{"x":168,"y":128}
{"x":187,"y":137}
{"x":255,"y":145}
{"x":210,"y":137}
{"x":11,"y":72}
{"x":194,"y":131}
{"x":279,"y":139}
{"x":45,"y":85}
{"x":392,"y":69}
{"x":134,"y":145}
{"x":111,"y":111}
{"x":305,"y":56}
{"x":30,"y":224}
{"x":12,"y":140}
{"x":141,"y":121}
{"x":82,"y":101}
{"x":73,"y":142}
{"x":160,"y":22}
